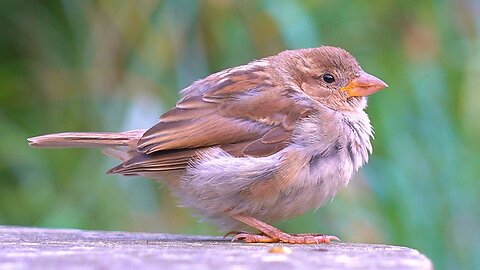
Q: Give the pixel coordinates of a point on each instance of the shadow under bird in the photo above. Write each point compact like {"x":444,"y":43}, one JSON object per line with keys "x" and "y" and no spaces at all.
{"x":256,"y":143}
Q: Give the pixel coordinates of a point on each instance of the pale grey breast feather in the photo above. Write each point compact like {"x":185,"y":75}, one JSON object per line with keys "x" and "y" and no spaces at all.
{"x":358,"y":132}
{"x":342,"y":136}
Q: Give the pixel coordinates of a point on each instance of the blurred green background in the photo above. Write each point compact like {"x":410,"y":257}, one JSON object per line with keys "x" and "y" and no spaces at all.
{"x":117,"y":65}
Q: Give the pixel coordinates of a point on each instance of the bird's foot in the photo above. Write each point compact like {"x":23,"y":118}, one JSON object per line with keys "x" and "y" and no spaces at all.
{"x":270,"y":234}
{"x":304,"y":238}
{"x":249,"y":237}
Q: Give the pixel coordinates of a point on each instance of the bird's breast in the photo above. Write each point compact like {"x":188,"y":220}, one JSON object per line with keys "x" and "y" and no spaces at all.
{"x":333,"y":139}
{"x":328,"y":149}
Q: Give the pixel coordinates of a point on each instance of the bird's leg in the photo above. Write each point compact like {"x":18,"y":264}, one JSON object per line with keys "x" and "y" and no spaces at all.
{"x":270,"y":234}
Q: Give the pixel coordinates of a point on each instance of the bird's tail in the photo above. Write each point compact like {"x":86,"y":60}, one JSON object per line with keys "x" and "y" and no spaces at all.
{"x":88,"y":139}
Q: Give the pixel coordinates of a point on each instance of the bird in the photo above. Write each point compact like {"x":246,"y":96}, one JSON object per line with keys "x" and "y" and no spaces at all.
{"x":255,"y":143}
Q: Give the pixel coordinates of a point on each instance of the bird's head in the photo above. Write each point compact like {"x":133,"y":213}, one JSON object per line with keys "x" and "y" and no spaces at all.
{"x":329,"y":75}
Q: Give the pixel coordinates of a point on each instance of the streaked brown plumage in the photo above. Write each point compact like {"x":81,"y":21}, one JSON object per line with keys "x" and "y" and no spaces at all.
{"x":263,"y":141}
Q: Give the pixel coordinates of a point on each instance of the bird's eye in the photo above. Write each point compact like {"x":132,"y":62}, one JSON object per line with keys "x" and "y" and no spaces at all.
{"x":328,"y":78}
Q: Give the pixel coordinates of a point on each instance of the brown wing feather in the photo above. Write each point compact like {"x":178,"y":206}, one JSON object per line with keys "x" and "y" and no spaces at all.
{"x":162,"y":161}
{"x":241,"y":111}
{"x":168,"y":160}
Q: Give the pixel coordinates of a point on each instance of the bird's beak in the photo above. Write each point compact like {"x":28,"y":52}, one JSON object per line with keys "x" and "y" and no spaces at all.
{"x":364,"y":85}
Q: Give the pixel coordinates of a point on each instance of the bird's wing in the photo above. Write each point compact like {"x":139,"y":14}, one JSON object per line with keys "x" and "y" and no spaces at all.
{"x":240,"y":110}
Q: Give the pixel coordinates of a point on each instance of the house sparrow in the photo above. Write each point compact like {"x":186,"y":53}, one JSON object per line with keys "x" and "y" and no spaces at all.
{"x":256,"y":143}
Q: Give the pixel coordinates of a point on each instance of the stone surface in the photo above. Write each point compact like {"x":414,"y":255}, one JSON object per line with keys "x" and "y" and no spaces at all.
{"x":38,"y":248}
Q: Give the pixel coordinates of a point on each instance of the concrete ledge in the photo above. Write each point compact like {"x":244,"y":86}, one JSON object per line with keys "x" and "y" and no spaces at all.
{"x":38,"y":248}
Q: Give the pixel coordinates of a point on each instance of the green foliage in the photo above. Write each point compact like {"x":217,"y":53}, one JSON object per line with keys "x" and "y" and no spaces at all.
{"x":116,"y":65}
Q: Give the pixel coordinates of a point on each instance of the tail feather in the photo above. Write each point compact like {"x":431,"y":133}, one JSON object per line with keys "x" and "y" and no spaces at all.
{"x":87,"y":139}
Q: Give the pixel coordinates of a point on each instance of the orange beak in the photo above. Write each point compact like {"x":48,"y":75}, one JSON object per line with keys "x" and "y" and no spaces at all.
{"x":364,"y":85}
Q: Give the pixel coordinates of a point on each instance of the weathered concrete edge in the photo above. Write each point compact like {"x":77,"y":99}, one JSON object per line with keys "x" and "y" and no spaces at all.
{"x":158,"y":249}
